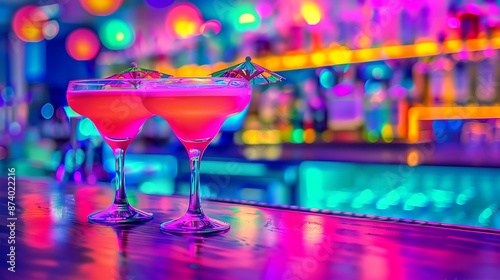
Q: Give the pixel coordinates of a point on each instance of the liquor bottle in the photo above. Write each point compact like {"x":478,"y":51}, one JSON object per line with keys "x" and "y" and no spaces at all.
{"x":317,"y":103}
{"x":308,"y":92}
{"x":420,"y":73}
{"x":469,"y":29}
{"x":485,"y":91}
{"x":495,"y":33}
{"x":441,"y":78}
{"x":424,"y":22}
{"x":296,"y":38}
{"x":398,"y":95}
{"x":344,"y":103}
{"x":408,"y":28}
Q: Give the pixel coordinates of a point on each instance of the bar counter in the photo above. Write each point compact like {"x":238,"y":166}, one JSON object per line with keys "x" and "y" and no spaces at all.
{"x":55,"y":241}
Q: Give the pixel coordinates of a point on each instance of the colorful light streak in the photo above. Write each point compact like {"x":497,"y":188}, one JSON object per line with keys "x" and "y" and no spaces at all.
{"x":417,"y":114}
{"x":340,"y":55}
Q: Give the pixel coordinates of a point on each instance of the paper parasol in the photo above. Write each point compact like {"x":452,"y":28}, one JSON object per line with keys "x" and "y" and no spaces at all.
{"x":253,"y":73}
{"x":136,"y":73}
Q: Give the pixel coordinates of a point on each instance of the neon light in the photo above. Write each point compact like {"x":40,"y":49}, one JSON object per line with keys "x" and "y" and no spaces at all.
{"x":183,"y":21}
{"x":246,"y":18}
{"x":101,"y":7}
{"x":311,"y":13}
{"x":336,"y":55}
{"x":417,"y":114}
{"x":28,"y":23}
{"x":117,"y":34}
{"x":82,"y":44}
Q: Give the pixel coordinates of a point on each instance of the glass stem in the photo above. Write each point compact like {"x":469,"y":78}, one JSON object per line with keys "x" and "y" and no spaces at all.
{"x":74,"y":121}
{"x":194,"y":192}
{"x":121,"y":194}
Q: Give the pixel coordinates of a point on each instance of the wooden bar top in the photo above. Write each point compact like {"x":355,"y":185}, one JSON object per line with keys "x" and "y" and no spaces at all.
{"x":55,"y":241}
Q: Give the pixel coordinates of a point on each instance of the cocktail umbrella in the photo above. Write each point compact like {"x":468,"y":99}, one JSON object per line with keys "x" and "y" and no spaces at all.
{"x":254,"y":73}
{"x":138,"y":73}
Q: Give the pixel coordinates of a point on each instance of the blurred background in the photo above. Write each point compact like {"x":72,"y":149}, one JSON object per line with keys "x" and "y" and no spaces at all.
{"x":390,"y":107}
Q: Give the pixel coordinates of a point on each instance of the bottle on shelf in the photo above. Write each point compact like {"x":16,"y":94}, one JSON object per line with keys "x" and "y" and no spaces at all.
{"x":469,"y":29}
{"x":441,"y":85}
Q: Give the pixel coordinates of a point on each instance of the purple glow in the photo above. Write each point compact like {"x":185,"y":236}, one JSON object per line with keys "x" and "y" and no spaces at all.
{"x":160,"y":3}
{"x":453,"y":22}
{"x":463,"y":55}
{"x":489,"y":52}
{"x":264,"y":9}
{"x":343,"y":89}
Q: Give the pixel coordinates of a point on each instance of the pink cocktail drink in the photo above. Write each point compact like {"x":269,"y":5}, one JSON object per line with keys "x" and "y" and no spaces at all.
{"x":196,"y":108}
{"x":117,"y":114}
{"x":196,"y":114}
{"x":115,"y":107}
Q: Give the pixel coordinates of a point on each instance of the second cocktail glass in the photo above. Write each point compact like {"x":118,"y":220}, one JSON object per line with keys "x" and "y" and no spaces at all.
{"x":115,"y":108}
{"x":195,"y":108}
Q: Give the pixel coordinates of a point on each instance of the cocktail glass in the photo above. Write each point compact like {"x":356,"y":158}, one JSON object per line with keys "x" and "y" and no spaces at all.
{"x":196,"y":108}
{"x":115,"y":108}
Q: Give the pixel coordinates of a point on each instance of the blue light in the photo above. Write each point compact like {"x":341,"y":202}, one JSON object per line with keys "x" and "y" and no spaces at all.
{"x":47,"y":111}
{"x":14,"y":128}
{"x":326,"y":78}
{"x":372,"y":87}
{"x":378,"y":71}
{"x":35,"y":62}
{"x":455,"y":125}
{"x":8,"y":94}
{"x":438,"y":126}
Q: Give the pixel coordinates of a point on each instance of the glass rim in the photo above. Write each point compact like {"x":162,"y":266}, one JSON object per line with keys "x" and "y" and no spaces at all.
{"x":154,"y":79}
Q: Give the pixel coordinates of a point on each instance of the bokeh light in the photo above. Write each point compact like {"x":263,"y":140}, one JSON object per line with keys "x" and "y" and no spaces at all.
{"x":264,"y":9}
{"x":117,"y":34}
{"x":372,"y":136}
{"x":14,"y":128}
{"x":311,"y":13}
{"x":453,"y":22}
{"x":246,"y":18}
{"x":82,"y":44}
{"x":87,"y":128}
{"x":47,"y":111}
{"x":159,"y":3}
{"x":183,"y":21}
{"x":326,"y":78}
{"x":413,"y":158}
{"x":8,"y":95}
{"x":210,"y":28}
{"x":372,"y":87}
{"x":50,"y":29}
{"x":28,"y":23}
{"x":101,"y":7}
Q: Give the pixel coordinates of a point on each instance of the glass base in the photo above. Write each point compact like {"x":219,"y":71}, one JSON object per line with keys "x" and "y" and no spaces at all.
{"x":120,"y":214}
{"x":190,"y":224}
